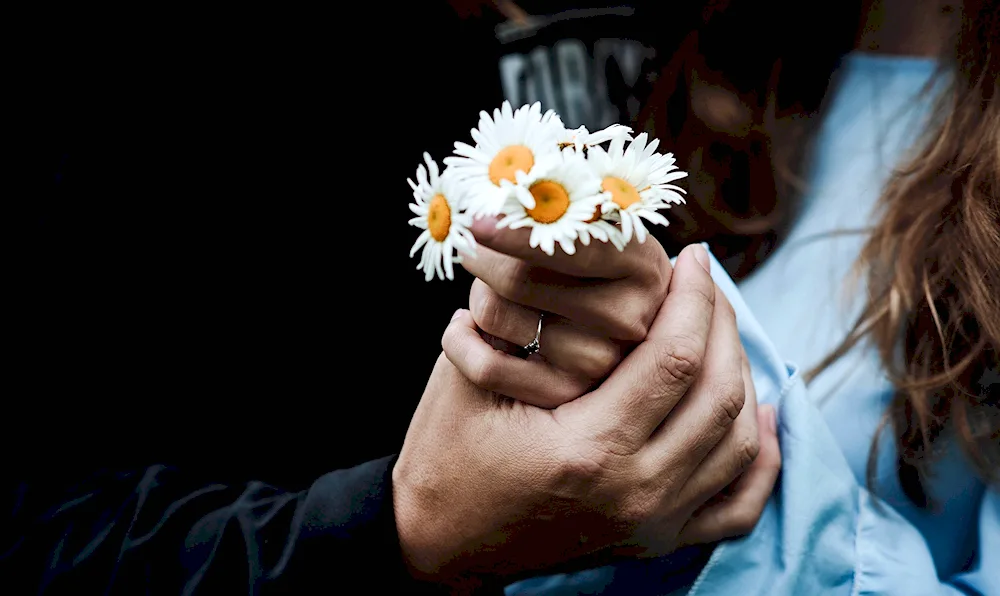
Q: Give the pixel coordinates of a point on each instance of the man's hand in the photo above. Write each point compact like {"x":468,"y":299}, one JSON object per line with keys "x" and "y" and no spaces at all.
{"x":486,"y":486}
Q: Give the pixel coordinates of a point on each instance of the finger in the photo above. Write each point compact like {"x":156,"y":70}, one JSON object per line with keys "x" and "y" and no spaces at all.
{"x":568,"y":347}
{"x":732,"y":455}
{"x":739,"y":513}
{"x":703,"y":421}
{"x":640,"y":393}
{"x":618,"y":309}
{"x":502,"y":318}
{"x":597,"y":259}
{"x":532,"y":381}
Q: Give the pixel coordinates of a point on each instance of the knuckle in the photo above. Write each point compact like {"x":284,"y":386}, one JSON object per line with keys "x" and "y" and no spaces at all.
{"x":511,"y":278}
{"x":633,"y":329}
{"x":677,"y":361}
{"x":633,"y":320}
{"x":483,"y":369}
{"x":745,"y":519}
{"x":747,"y":450}
{"x":448,"y":338}
{"x":741,"y":525}
{"x":583,"y":465}
{"x":659,"y":270}
{"x":487,"y":309}
{"x":662,"y":284}
{"x":729,"y":401}
{"x":600,"y":360}
{"x":580,"y":470}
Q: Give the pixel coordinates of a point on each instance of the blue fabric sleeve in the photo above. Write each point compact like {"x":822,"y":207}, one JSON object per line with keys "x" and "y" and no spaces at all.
{"x":892,"y":556}
{"x":822,"y":532}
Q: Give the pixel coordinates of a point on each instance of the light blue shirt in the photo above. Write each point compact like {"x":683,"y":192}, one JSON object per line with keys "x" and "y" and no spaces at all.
{"x":826,"y":531}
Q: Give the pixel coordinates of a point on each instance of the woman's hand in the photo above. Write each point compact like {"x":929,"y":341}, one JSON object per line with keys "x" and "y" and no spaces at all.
{"x":598,"y":304}
{"x":496,"y":487}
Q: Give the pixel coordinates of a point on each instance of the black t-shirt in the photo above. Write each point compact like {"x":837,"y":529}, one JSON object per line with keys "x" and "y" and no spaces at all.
{"x":592,"y":63}
{"x":213,"y":273}
{"x":216,"y":272}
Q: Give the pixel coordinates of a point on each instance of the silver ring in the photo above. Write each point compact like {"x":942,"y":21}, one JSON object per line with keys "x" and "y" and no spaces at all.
{"x":534,"y":346}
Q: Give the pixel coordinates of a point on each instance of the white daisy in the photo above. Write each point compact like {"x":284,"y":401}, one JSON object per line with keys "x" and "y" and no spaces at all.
{"x":509,"y":142}
{"x":637,"y":182}
{"x":603,"y":231}
{"x":578,"y":138}
{"x":556,"y":200}
{"x":440,"y":214}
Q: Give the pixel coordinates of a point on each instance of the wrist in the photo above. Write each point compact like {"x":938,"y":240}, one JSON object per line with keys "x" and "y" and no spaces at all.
{"x":409,"y":529}
{"x":428,"y":543}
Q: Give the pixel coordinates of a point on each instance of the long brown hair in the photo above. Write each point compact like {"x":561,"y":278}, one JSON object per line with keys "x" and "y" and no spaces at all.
{"x":932,"y":261}
{"x":739,"y":101}
{"x":932,"y":265}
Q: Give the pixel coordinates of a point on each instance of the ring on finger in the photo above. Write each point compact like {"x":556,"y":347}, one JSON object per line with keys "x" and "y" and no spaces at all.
{"x":535,"y":344}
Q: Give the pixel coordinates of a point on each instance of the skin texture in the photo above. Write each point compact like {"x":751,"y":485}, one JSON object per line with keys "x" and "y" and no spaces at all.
{"x":487,"y":488}
{"x":599,"y":304}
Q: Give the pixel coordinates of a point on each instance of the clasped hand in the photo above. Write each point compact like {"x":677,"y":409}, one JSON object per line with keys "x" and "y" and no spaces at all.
{"x":623,"y":431}
{"x":599,"y":303}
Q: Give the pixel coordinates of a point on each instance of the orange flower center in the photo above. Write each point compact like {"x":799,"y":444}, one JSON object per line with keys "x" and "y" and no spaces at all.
{"x":622,"y":193}
{"x":551,"y":201}
{"x":508,"y":161}
{"x":439,"y":218}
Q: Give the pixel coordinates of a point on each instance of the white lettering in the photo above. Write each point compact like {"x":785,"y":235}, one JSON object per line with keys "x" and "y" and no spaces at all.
{"x":573,"y":65}
{"x":513,"y":77}
{"x":578,"y":88}
{"x":544,"y":90}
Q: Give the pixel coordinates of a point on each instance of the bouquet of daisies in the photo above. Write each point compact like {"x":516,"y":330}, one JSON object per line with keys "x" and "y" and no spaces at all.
{"x":530,"y":171}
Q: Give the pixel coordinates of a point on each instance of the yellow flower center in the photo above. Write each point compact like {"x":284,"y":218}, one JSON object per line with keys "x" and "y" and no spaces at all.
{"x":551,"y":201}
{"x":622,"y":193}
{"x":508,"y":161}
{"x":439,"y":218}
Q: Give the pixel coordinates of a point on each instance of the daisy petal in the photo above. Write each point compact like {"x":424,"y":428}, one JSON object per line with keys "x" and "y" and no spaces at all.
{"x":626,"y":226}
{"x":653,"y":217}
{"x":449,"y":269}
{"x":640,"y":230}
{"x":567,"y":245}
{"x":421,"y":240}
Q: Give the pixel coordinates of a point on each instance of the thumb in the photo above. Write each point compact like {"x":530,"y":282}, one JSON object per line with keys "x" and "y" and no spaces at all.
{"x":466,"y":353}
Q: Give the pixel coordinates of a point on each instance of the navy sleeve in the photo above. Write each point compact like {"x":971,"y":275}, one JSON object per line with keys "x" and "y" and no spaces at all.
{"x":157,"y":531}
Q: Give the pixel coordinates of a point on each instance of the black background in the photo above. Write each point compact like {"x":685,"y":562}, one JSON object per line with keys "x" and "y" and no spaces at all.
{"x":213,"y":267}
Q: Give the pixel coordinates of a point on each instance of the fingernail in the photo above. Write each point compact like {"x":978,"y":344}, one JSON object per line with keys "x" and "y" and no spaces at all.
{"x":700,"y":255}
{"x":772,"y":419}
{"x":457,"y":314}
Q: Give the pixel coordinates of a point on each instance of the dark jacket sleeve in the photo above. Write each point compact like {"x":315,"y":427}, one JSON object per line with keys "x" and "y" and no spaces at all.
{"x":156,"y":531}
